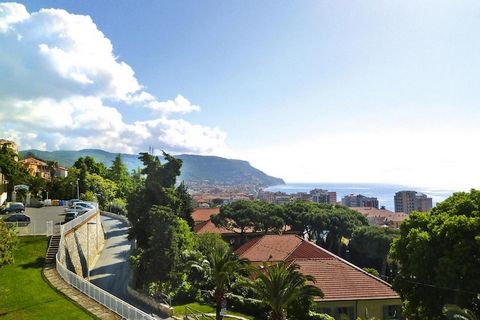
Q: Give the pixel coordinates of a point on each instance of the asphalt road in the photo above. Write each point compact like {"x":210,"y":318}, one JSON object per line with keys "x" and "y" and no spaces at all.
{"x":112,"y":270}
{"x":39,"y":218}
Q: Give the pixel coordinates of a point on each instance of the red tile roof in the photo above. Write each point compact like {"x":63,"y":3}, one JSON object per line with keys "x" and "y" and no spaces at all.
{"x":373,"y":212}
{"x":279,"y":248}
{"x":338,"y":279}
{"x":269,"y":248}
{"x":203,"y":214}
{"x":209,"y":227}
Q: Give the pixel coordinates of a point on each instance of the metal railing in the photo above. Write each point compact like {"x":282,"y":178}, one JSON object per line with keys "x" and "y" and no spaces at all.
{"x":28,"y":229}
{"x":113,"y":303}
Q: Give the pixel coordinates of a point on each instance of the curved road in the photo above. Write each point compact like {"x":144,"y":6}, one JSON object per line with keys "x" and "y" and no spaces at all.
{"x":112,"y":270}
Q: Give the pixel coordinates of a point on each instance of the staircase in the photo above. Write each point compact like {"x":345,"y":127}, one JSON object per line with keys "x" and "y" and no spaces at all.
{"x":52,"y":249}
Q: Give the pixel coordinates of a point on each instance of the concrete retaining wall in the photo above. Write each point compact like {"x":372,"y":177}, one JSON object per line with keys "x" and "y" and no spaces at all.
{"x":73,"y":251}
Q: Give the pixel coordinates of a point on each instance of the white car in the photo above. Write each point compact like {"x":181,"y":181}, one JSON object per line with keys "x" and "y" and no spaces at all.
{"x":77,"y":208}
{"x":85,"y":205}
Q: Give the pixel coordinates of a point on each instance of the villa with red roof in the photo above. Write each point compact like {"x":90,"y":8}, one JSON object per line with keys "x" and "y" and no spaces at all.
{"x":349,"y":292}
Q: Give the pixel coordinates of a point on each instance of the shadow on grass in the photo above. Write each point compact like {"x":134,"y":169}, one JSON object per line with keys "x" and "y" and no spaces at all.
{"x":33,"y":265}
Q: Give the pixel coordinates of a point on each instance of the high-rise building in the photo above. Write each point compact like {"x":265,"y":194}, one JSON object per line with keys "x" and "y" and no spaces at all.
{"x":408,"y":201}
{"x":358,"y":200}
{"x":323,"y":196}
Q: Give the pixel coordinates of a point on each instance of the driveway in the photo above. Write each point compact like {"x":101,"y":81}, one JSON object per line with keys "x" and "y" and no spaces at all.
{"x":112,"y":269}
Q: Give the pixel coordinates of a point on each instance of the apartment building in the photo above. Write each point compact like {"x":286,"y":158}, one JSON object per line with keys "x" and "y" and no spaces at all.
{"x":323,"y":196}
{"x":358,"y":200}
{"x":408,"y":201}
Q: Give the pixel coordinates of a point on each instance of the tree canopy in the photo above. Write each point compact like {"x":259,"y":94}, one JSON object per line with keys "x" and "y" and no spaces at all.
{"x":439,"y":255}
{"x":370,"y":246}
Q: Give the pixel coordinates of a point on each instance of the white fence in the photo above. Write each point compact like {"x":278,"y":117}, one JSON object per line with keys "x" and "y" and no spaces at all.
{"x":30,"y":229}
{"x":113,"y":303}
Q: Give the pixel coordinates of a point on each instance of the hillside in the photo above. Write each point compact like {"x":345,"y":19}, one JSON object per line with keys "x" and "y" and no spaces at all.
{"x":208,"y":169}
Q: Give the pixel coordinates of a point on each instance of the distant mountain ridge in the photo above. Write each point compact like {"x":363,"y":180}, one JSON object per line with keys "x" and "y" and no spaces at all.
{"x":196,"y":168}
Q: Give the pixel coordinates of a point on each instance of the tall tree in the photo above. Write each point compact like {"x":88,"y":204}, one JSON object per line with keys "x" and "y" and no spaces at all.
{"x":160,"y":261}
{"x":118,"y":173}
{"x":158,"y":189}
{"x":14,"y":172}
{"x":8,"y":243}
{"x":439,"y":257}
{"x":282,"y":285}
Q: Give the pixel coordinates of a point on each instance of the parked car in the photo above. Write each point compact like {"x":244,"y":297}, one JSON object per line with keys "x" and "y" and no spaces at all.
{"x":86,"y":205}
{"x":21,"y":219}
{"x":70,"y":215}
{"x":72,"y":202}
{"x":13,"y":207}
{"x":77,"y":208}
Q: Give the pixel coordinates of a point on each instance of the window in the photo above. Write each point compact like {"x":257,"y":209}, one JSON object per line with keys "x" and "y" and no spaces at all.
{"x":392,"y":312}
{"x":344,"y":313}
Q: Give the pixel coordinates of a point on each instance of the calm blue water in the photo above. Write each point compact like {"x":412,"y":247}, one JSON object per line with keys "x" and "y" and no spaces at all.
{"x":383,"y":192}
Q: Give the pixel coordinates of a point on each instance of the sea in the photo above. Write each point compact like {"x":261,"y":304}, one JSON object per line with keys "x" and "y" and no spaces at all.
{"x":383,"y":192}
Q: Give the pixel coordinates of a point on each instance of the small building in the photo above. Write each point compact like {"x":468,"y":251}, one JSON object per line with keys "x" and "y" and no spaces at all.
{"x":349,"y":292}
{"x":11,"y":144}
{"x":61,"y":172}
{"x":382,"y":217}
{"x":35,"y":166}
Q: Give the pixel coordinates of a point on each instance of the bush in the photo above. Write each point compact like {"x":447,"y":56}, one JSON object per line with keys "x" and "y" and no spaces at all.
{"x":319,"y":316}
{"x":372,"y":271}
{"x":247,"y":305}
{"x":118,"y":206}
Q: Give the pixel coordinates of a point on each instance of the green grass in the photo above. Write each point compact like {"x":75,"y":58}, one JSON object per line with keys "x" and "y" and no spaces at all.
{"x":24,"y":294}
{"x":204,"y":308}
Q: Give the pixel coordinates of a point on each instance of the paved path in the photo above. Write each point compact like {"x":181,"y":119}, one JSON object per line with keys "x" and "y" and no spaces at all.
{"x":112,"y":270}
{"x":86,"y":302}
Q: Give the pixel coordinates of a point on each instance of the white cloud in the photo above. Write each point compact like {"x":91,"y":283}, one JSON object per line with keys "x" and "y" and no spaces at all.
{"x":179,"y":105}
{"x":60,"y":80}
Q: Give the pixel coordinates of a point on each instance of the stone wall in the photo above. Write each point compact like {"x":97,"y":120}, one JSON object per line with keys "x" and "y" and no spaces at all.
{"x":73,"y":251}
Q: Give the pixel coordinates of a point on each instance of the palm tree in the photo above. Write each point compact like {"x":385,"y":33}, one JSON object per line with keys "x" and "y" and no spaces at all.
{"x":451,"y":311}
{"x":281,"y":285}
{"x":222,"y":267}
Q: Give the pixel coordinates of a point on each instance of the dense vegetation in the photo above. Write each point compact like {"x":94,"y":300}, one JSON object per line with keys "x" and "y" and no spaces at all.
{"x":439,"y":255}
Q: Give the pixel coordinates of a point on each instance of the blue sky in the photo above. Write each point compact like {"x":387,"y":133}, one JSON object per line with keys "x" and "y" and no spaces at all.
{"x":371,"y":91}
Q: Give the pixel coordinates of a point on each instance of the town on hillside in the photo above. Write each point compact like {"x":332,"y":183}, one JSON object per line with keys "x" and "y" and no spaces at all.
{"x":348,"y":253}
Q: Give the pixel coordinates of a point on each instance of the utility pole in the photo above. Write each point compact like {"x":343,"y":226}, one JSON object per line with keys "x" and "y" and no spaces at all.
{"x":78,"y":190}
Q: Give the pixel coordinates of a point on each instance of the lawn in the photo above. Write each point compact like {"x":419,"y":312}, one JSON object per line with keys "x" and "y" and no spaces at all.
{"x":204,"y":308}
{"x":24,"y":294}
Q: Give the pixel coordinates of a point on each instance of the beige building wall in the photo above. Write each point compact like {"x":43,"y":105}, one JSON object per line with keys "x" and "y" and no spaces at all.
{"x":361,"y":308}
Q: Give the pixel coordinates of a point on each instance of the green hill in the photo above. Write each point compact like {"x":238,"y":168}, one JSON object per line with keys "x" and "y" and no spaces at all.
{"x":208,"y":169}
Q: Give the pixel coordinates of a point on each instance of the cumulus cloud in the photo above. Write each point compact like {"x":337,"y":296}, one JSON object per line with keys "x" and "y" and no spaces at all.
{"x":60,"y":81}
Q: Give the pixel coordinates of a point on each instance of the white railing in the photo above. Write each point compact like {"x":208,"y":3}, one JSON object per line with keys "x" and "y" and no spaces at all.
{"x":113,"y":303}
{"x":28,"y":229}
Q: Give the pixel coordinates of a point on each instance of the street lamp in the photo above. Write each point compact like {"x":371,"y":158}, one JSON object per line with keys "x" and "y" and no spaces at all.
{"x":78,"y":190}
{"x":88,"y":249}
